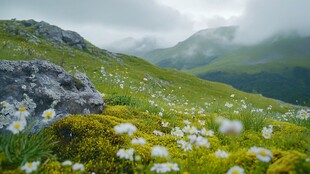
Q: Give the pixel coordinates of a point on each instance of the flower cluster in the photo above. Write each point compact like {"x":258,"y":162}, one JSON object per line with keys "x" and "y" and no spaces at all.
{"x":177,"y":132}
{"x":199,"y":141}
{"x":229,"y":127}
{"x":139,"y":141}
{"x":261,"y":153}
{"x":18,"y":114}
{"x":266,"y":132}
{"x":125,"y":128}
{"x":221,"y":154}
{"x":126,"y":153}
{"x":75,"y":167}
{"x":165,"y":167}
{"x":159,"y":151}
{"x":303,"y":114}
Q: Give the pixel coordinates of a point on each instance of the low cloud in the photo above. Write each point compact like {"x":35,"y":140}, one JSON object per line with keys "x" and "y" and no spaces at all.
{"x":134,"y":46}
{"x":102,"y":22}
{"x":264,"y":18}
{"x":105,"y":22}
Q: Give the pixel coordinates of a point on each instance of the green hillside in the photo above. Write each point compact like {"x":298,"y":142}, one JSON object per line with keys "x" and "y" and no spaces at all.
{"x":159,"y":102}
{"x":200,"y":49}
{"x":278,"y":67}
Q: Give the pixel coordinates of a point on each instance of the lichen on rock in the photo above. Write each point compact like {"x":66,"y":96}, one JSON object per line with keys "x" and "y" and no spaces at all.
{"x":40,"y":85}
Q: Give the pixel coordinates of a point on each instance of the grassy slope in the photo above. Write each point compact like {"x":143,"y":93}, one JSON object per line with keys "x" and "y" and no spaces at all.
{"x":270,"y":56}
{"x":276,"y":67}
{"x":194,"y":88}
{"x":179,"y":92}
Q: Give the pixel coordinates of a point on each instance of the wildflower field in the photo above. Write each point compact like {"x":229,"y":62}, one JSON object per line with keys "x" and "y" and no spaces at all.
{"x":155,"y":121}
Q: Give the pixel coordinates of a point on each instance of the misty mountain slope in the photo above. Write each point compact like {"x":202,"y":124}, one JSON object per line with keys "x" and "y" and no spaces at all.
{"x":90,"y":60}
{"x":275,"y":55}
{"x":276,"y":67}
{"x":200,"y":49}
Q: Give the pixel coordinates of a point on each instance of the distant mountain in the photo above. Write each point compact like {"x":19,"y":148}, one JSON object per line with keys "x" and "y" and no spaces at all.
{"x":200,"y":49}
{"x":278,"y":67}
{"x":132,"y":46}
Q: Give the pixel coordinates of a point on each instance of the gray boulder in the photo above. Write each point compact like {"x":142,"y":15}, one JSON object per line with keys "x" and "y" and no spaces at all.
{"x":49,"y":32}
{"x":40,"y":85}
{"x":58,"y":35}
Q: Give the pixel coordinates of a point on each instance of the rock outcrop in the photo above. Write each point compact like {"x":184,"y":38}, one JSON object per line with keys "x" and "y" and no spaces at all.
{"x":58,"y":35}
{"x":40,"y":85}
{"x":34,"y":30}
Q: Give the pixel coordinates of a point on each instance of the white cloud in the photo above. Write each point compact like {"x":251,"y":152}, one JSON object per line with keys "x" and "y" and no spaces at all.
{"x":264,"y":18}
{"x":104,"y":22}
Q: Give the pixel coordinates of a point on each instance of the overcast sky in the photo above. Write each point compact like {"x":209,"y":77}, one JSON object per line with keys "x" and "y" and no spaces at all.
{"x":162,"y":22}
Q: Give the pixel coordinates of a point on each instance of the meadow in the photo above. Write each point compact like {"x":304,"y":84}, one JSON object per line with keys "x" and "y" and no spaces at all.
{"x":155,"y":121}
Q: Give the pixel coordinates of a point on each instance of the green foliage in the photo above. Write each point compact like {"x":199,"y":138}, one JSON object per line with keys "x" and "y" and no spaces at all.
{"x":90,"y":140}
{"x":120,"y":100}
{"x":23,"y":147}
{"x":269,"y":84}
{"x":288,"y":162}
{"x":55,"y":167}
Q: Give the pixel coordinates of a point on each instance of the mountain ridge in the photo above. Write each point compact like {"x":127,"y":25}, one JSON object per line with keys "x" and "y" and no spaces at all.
{"x":279,"y":54}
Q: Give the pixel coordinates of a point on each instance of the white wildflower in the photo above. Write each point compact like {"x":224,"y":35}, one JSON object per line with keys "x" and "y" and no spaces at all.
{"x":269,"y":107}
{"x":206,"y":132}
{"x":267,"y":132}
{"x":303,"y":114}
{"x":173,"y":166}
{"x":221,"y":154}
{"x":31,"y":166}
{"x":177,"y":132}
{"x":262,"y":154}
{"x":125,"y":128}
{"x":21,"y":114}
{"x":159,"y":151}
{"x":78,"y":166}
{"x":199,"y":141}
{"x":186,"y":122}
{"x":160,"y":168}
{"x":165,"y":167}
{"x":235,"y":170}
{"x":139,"y":141}
{"x":193,"y":130}
{"x":229,"y":105}
{"x":48,"y":115}
{"x":16,"y":127}
{"x":231,"y":127}
{"x":67,"y":163}
{"x":164,"y":124}
{"x":126,"y":153}
{"x":158,"y":133}
{"x":202,"y":122}
{"x":186,"y":146}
